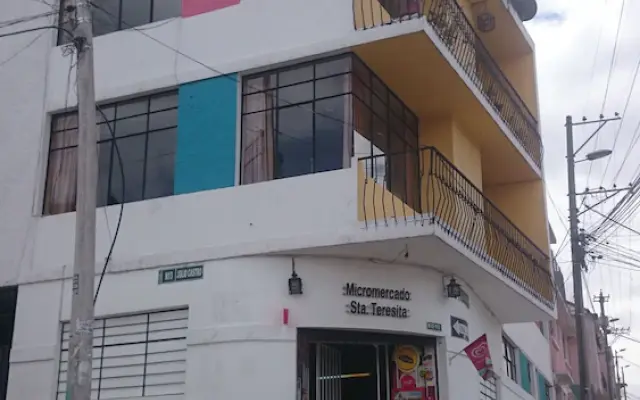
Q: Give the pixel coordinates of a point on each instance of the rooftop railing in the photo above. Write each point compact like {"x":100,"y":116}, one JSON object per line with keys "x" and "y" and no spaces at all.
{"x":454,"y":30}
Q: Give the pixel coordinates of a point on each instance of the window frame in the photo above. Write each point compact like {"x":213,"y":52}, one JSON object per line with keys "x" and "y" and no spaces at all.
{"x":395,"y":110}
{"x":113,"y":163}
{"x":148,"y":328}
{"x":510,"y":351}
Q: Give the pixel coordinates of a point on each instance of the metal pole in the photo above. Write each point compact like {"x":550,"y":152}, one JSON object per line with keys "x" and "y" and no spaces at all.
{"x":576,"y":258}
{"x":604,"y":323}
{"x":624,"y":384}
{"x":618,"y":381}
{"x":82,"y":313}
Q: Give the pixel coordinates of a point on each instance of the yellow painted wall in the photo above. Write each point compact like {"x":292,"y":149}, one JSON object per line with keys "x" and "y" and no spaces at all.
{"x":467,"y":157}
{"x":437,"y":133}
{"x":521,"y":72}
{"x":446,"y":136}
{"x":524,"y":204}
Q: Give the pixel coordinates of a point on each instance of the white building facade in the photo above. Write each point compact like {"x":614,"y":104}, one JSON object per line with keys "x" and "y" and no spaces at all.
{"x":195,"y":302}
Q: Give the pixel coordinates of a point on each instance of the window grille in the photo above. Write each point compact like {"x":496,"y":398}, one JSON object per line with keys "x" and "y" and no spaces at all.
{"x":488,"y":389}
{"x":134,"y":356}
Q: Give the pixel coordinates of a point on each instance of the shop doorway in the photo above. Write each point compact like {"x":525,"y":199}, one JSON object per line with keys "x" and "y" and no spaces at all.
{"x":348,"y":365}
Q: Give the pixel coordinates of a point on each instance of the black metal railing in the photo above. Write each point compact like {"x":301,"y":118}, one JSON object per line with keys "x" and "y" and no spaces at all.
{"x":451,"y":25}
{"x":423,"y":187}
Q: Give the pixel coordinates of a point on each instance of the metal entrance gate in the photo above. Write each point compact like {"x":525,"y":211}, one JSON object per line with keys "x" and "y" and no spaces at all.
{"x":328,"y":373}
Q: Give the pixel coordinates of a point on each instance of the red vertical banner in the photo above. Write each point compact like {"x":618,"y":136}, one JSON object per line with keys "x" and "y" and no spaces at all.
{"x":478,"y":353}
{"x":195,"y":7}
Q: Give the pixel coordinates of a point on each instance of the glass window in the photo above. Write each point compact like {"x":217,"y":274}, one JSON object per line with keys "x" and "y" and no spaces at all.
{"x":114,"y":15}
{"x":135,"y":13}
{"x":294,"y":120}
{"x":294,"y":142}
{"x":324,"y":113}
{"x":509,"y":356}
{"x":146,"y":143}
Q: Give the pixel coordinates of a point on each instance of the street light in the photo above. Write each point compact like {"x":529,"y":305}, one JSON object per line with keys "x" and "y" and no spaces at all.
{"x":598,"y":154}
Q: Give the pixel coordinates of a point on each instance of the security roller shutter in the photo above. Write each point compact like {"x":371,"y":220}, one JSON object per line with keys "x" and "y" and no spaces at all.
{"x":134,"y":355}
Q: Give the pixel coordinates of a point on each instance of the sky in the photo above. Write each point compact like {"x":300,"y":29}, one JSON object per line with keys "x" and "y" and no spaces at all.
{"x":575,"y":41}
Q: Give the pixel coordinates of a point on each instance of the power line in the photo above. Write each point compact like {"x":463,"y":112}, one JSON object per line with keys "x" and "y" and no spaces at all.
{"x":613,"y":58}
{"x":40,"y":28}
{"x":632,"y":339}
{"x":624,"y":115}
{"x":115,"y":235}
{"x":227,"y":75}
{"x":21,"y":20}
{"x":632,"y":363}
{"x":606,"y":91}
{"x":24,"y":48}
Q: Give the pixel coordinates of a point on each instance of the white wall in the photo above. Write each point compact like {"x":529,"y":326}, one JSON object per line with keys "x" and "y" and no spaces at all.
{"x":252,"y":34}
{"x":22,"y":124}
{"x":528,"y":338}
{"x":235,"y":322}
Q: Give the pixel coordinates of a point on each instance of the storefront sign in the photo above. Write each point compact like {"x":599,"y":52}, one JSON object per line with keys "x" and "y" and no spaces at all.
{"x":353,"y":289}
{"x":375,"y":308}
{"x":180,"y":274}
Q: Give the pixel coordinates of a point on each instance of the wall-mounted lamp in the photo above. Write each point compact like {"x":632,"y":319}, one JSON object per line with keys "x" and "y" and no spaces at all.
{"x":295,"y":282}
{"x":453,"y":289}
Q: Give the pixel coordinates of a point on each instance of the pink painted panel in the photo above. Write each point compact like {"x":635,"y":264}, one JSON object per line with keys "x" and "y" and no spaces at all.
{"x":195,"y":7}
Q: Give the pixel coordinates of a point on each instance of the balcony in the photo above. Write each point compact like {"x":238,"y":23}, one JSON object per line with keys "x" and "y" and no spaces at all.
{"x":453,"y":30}
{"x":423,"y":188}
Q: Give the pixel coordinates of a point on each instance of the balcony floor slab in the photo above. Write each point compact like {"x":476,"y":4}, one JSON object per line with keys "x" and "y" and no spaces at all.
{"x":430,"y":247}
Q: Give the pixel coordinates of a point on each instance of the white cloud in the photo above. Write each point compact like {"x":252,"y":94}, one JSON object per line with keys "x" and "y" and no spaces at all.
{"x":570,"y":83}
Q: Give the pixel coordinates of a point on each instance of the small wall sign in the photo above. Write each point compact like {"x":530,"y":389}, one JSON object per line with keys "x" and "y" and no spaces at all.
{"x":459,"y":328}
{"x":180,"y":274}
{"x":434,"y":326}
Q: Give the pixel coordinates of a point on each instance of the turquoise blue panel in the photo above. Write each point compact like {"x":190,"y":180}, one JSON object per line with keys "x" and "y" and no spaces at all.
{"x":542,"y":383}
{"x":206,"y":148}
{"x":525,"y":368}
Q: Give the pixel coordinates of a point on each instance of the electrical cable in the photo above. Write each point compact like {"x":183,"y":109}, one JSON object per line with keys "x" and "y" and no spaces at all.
{"x":634,"y":141}
{"x":611,"y":68}
{"x":40,"y":28}
{"x":24,"y":48}
{"x":631,"y":362}
{"x":21,"y":20}
{"x":617,"y":134}
{"x":117,"y":231}
{"x":220,"y":74}
{"x":613,"y":57}
{"x":630,"y":338}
